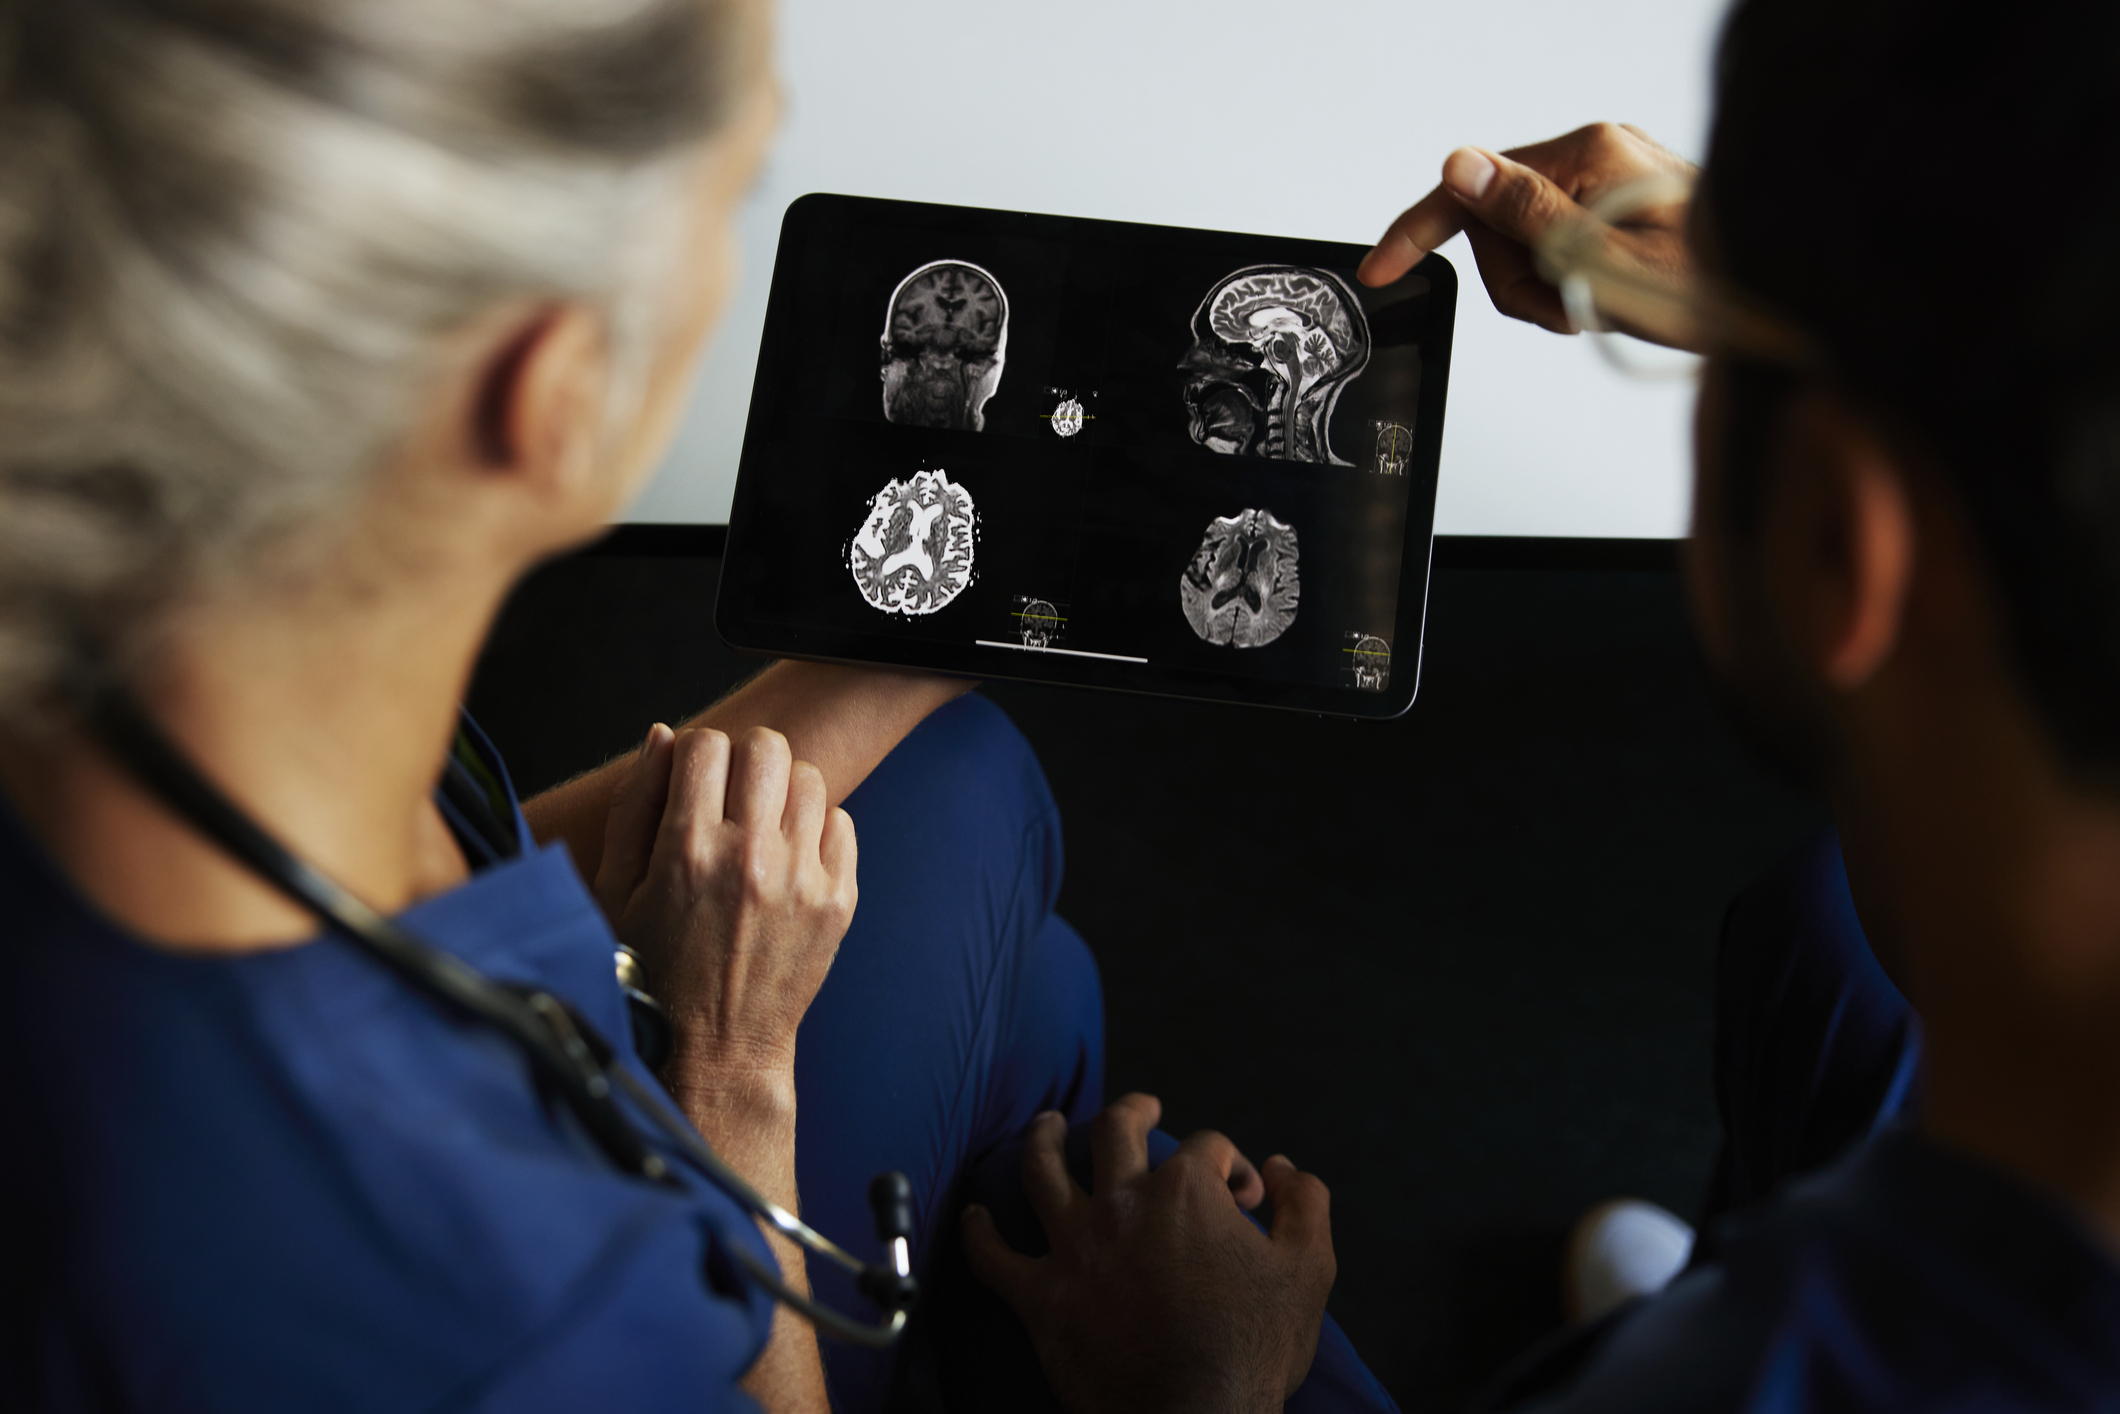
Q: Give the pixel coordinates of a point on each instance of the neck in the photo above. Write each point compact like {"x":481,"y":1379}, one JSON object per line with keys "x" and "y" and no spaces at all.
{"x":1995,"y":879}
{"x":323,"y":708}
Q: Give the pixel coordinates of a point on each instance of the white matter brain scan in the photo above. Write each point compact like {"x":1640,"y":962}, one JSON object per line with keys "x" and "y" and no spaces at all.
{"x":914,"y":551}
{"x":1241,"y":587}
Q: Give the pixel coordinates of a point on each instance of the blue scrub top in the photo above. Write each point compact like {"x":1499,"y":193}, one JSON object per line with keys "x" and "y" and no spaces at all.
{"x":290,"y":1181}
{"x":1906,"y":1277}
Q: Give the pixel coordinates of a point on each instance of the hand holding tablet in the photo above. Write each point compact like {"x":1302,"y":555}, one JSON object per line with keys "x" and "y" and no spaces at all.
{"x":1137,"y":457}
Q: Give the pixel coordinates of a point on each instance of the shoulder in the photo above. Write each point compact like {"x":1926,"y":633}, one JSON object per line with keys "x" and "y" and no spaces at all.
{"x":1904,"y":1278}
{"x":287,"y":1181}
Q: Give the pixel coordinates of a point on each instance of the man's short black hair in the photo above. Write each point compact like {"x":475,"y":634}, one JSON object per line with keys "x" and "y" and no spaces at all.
{"x":1931,"y":192}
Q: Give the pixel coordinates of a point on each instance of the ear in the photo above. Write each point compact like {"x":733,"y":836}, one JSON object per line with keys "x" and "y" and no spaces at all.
{"x":1838,"y":541}
{"x":538,"y":409}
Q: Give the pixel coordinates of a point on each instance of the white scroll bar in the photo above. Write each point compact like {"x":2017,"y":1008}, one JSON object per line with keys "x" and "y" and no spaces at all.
{"x":1070,"y":652}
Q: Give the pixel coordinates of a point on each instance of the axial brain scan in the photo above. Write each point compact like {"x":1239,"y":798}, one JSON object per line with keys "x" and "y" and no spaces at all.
{"x":1273,"y":347}
{"x":913,"y":553}
{"x":1240,"y":588}
{"x":945,"y":341}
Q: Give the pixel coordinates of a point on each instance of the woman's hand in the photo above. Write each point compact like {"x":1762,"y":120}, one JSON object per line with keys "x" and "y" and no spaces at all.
{"x":1504,"y":202}
{"x":1159,"y":1293}
{"x":726,"y":869}
{"x":843,"y":719}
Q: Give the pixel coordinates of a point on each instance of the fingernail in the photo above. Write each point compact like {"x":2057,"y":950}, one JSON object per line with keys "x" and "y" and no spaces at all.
{"x":971,"y":1210}
{"x":1468,"y":173}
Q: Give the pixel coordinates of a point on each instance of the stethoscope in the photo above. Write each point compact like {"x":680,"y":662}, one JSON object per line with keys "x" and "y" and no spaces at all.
{"x":568,"y":1056}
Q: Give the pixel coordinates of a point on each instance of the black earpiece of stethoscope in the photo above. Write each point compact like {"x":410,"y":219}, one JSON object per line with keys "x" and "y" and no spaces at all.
{"x":569,"y":1058}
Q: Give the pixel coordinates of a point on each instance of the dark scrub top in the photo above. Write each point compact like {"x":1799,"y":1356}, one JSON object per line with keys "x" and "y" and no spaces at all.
{"x":288,"y":1181}
{"x":1845,"y":1262}
{"x":1905,"y":1277}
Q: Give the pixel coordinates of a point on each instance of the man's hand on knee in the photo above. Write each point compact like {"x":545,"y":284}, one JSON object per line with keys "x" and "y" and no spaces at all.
{"x":1159,"y":1294}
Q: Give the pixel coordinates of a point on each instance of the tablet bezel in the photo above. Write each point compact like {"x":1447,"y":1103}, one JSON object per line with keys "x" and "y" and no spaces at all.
{"x":754,"y":633}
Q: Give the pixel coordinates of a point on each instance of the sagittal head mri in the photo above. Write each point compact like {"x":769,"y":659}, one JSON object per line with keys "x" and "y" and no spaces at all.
{"x":1273,"y":348}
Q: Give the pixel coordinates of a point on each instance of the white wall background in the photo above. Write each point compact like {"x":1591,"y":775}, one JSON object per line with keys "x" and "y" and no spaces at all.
{"x":1320,"y":118}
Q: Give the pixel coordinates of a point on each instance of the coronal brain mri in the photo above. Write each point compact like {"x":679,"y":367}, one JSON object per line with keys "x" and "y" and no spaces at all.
{"x":1038,"y":619}
{"x":913,"y":553}
{"x":1241,"y":588}
{"x":1372,"y":663}
{"x":1273,"y":347}
{"x":945,"y":342}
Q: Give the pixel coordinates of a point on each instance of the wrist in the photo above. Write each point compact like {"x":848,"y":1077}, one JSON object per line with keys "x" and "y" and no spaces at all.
{"x":743,"y":1090}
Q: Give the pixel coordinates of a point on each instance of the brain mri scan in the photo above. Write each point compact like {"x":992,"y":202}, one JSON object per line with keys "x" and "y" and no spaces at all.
{"x":1038,"y":620}
{"x":1394,"y":448}
{"x":913,"y":554}
{"x":1240,"y":588}
{"x":945,"y":341}
{"x":1372,"y":663}
{"x":1273,"y":347}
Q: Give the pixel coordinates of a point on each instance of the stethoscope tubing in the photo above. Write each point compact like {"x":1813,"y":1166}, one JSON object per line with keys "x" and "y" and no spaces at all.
{"x":137,"y":744}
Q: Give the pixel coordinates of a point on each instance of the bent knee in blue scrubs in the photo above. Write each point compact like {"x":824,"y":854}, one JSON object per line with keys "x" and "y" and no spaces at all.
{"x":959,"y":1007}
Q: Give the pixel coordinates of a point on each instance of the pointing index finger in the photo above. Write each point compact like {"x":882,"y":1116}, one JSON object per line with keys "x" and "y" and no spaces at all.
{"x":1421,"y":227}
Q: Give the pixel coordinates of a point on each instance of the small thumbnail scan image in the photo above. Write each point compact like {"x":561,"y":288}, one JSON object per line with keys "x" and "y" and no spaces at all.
{"x":1368,"y":661}
{"x":1070,"y":412}
{"x":1039,"y":623}
{"x":914,"y":551}
{"x":1391,"y":447}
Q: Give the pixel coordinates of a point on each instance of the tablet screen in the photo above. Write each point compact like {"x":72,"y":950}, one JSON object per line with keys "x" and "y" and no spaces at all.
{"x":1139,"y":457}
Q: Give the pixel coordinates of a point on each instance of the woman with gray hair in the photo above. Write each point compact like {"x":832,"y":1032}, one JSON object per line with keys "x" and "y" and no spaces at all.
{"x":321,"y":321}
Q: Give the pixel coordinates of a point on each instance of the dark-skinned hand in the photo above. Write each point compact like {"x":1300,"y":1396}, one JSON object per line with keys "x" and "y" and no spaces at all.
{"x":1505,"y":201}
{"x":1159,"y":1293}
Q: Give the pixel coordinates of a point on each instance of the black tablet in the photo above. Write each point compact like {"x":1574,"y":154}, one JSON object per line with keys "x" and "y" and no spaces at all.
{"x":1138,"y":457}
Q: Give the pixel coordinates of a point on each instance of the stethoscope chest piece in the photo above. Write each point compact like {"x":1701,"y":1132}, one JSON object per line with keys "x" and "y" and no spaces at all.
{"x":650,"y":1023}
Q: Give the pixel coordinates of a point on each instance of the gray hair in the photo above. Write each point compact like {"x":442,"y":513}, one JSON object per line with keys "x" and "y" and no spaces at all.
{"x":234,"y":234}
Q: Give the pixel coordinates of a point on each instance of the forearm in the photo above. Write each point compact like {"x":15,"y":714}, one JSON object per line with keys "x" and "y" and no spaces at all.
{"x":788,"y":1375}
{"x":751,"y":1124}
{"x":843,"y":721}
